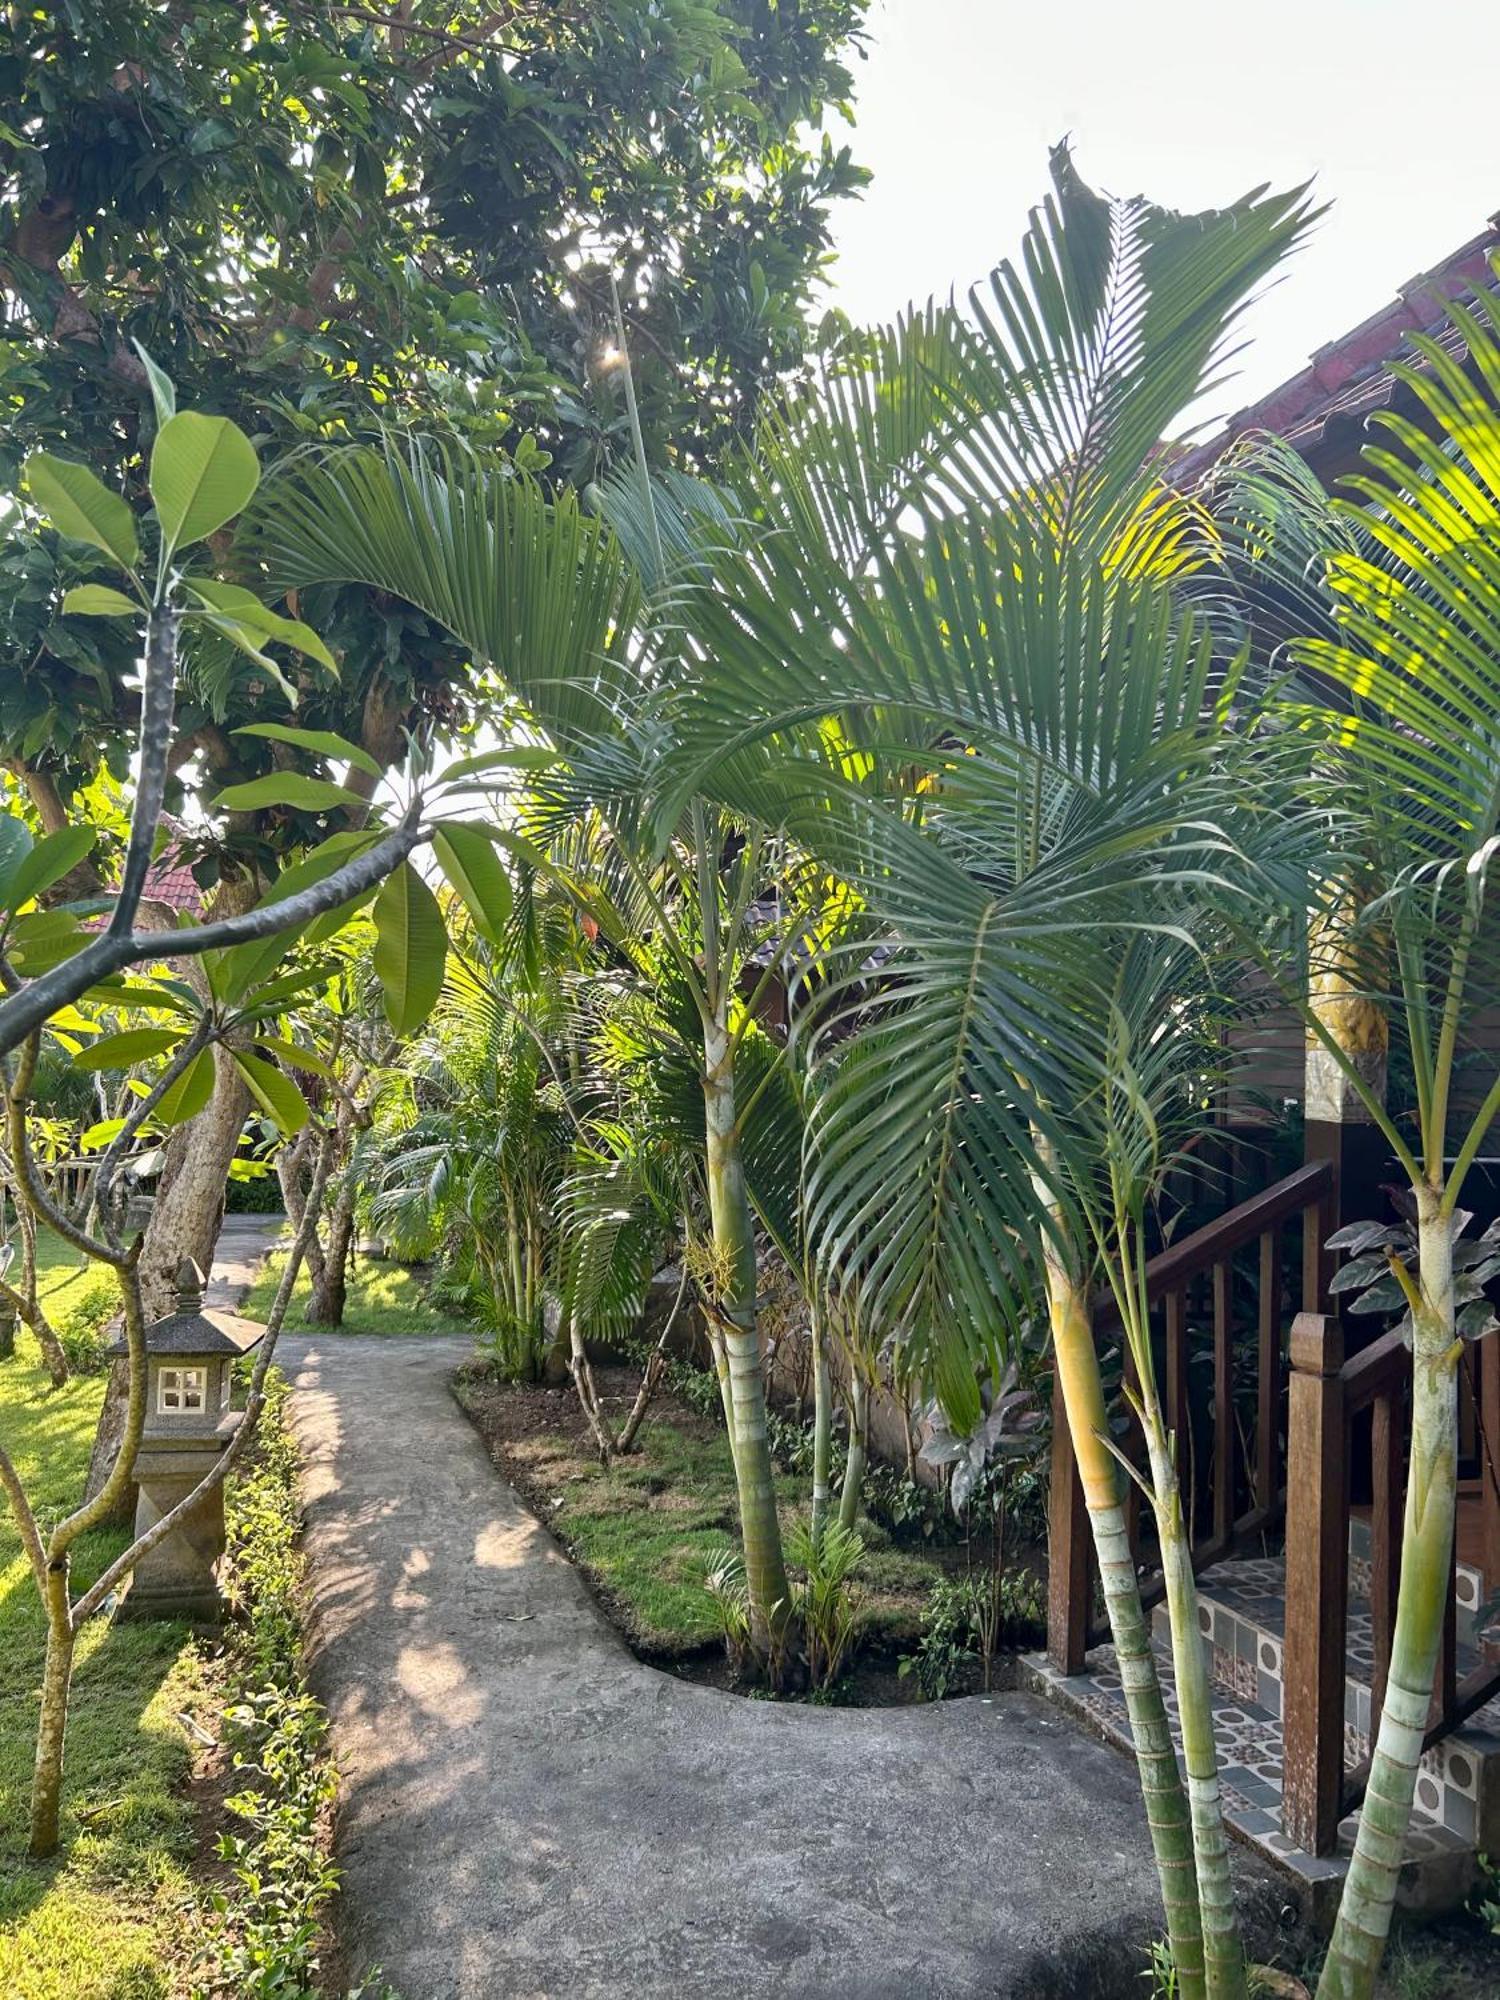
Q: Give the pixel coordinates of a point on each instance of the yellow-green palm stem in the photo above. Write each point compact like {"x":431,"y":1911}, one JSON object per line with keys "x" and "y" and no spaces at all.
{"x":1364,"y":1917}
{"x":735,"y":1279}
{"x":822,"y":1427}
{"x":854,"y":1464}
{"x":1167,"y":1815}
{"x":1223,"y":1951}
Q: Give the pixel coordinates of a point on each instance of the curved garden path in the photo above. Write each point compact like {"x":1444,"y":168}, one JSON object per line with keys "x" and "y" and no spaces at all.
{"x":529,"y":1811}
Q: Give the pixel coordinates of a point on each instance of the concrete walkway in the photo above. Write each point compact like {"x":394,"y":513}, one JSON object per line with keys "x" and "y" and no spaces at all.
{"x":529,"y":1811}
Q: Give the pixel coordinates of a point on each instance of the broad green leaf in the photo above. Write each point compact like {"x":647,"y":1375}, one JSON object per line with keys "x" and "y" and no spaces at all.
{"x":161,"y":994}
{"x":273,"y":1090}
{"x":79,"y":504}
{"x":98,"y":600}
{"x":48,"y":862}
{"x":44,"y":939}
{"x":130,"y":1046}
{"x":286,"y":788}
{"x":322,"y":743}
{"x":474,"y":869}
{"x":321,"y":929}
{"x":293,"y":1053}
{"x":189,"y":1094}
{"x":242,"y":609}
{"x":15,"y":845}
{"x":203,"y":471}
{"x":94,"y":1138}
{"x":248,"y":638}
{"x":410,"y":949}
{"x":163,"y":391}
{"x":240,"y":970}
{"x":515,"y":757}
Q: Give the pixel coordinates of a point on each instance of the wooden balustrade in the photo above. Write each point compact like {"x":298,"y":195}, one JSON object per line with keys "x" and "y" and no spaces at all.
{"x":1231,"y":1495}
{"x":1329,"y":1394}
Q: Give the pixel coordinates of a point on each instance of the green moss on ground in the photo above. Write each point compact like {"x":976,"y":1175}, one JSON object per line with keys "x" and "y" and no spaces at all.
{"x":102,"y":1920}
{"x":382,"y":1299}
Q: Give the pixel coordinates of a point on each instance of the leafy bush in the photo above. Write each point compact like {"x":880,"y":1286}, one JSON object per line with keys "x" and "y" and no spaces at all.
{"x":80,"y":1330}
{"x":826,"y":1601}
{"x":730,"y":1596}
{"x":263,"y":1942}
{"x":964,"y":1621}
{"x":282,"y":1870}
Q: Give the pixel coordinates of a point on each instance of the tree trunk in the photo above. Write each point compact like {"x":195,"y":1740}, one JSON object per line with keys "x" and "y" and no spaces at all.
{"x":859,"y":1445}
{"x":1223,"y":1953}
{"x":290,"y":1161}
{"x":1167,"y":1815}
{"x":1364,"y":1918}
{"x":57,"y":1678}
{"x":735,"y":1272}
{"x":330,"y":1285}
{"x":190,"y":1207}
{"x":822,"y":1427}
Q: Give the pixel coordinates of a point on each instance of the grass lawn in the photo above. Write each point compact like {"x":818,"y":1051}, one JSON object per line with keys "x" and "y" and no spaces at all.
{"x":382,"y":1298}
{"x":63,"y":1275}
{"x":646,"y":1530}
{"x":100,"y":1922}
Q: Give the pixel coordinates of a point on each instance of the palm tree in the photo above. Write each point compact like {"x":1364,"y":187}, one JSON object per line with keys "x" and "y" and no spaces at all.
{"x":960,"y":578}
{"x":458,"y":540}
{"x":1388,"y":604}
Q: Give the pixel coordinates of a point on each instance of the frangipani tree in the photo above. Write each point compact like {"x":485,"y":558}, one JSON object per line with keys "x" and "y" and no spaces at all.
{"x":962,"y":571}
{"x":203,"y":471}
{"x":1388,"y":604}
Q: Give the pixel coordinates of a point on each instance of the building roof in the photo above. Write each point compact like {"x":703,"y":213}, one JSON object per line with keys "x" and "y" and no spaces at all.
{"x":1323,"y":410}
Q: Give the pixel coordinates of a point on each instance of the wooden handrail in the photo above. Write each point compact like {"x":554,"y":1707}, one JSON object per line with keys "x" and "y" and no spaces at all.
{"x":1382,"y":1366}
{"x":1198,"y":1253}
{"x":1244,"y":1493}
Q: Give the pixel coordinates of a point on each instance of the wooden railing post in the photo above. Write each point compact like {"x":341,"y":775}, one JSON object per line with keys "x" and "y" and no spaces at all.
{"x":1317,"y":1583}
{"x":1069,"y":1547}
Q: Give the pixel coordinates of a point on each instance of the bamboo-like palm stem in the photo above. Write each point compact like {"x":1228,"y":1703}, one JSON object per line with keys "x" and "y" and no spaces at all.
{"x":1364,"y":1917}
{"x":1166,"y":1802}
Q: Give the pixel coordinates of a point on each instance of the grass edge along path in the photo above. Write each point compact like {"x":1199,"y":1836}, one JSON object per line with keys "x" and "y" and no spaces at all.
{"x":384,"y":1299}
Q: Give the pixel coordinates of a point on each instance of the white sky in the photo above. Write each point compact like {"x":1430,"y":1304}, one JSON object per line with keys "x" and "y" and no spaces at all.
{"x":1394,"y":108}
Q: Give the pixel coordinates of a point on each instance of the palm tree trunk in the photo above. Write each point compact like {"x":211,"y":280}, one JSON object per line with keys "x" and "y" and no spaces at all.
{"x":1369,"y":1896}
{"x":1223,"y":1953}
{"x":822,"y":1427}
{"x":859,"y":1445}
{"x":735,"y":1275}
{"x":57,"y":1678}
{"x":1161,"y":1781}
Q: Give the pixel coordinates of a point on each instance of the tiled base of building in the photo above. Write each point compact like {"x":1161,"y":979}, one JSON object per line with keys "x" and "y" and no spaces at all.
{"x":1440,"y":1859}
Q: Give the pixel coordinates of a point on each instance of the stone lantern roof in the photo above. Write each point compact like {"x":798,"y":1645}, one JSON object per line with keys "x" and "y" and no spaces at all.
{"x":188,"y":1329}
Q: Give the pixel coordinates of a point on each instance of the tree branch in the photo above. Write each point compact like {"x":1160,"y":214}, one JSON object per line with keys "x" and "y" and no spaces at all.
{"x":34,"y":1002}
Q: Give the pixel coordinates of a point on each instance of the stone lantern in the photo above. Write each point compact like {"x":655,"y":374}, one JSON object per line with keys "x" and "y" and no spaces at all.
{"x":190,"y":1356}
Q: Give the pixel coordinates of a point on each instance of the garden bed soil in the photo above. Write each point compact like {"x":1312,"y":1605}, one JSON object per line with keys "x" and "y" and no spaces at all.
{"x":539,"y":1439}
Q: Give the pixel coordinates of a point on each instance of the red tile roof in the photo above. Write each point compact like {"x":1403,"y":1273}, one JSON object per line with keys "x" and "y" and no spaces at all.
{"x":1322,"y":410}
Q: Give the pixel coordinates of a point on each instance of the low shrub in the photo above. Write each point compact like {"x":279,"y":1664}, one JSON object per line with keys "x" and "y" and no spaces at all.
{"x":263,"y":1938}
{"x":963,"y":1623}
{"x":81,"y":1329}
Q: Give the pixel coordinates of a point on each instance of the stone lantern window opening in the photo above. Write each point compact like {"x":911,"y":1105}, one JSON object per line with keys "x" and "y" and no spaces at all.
{"x":180,"y":1390}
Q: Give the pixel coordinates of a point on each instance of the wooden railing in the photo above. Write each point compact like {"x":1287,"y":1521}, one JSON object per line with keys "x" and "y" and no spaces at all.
{"x":1330,"y":1394}
{"x":1244,"y":1493}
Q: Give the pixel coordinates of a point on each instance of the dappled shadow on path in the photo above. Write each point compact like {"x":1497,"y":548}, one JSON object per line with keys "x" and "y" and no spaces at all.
{"x":529,"y":1810}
